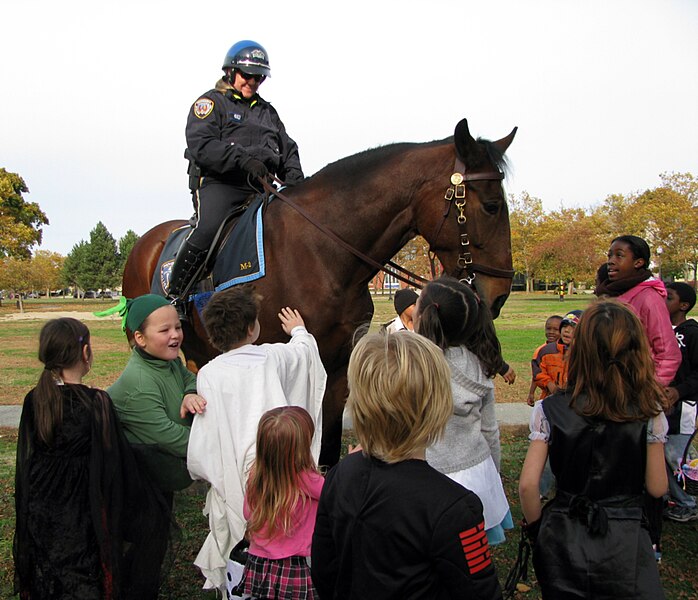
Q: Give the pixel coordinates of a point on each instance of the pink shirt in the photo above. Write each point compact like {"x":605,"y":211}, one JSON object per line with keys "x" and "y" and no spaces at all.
{"x":647,"y":300}
{"x":299,"y":541}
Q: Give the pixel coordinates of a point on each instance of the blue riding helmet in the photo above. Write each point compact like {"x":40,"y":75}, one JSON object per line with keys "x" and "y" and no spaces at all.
{"x":248,"y":56}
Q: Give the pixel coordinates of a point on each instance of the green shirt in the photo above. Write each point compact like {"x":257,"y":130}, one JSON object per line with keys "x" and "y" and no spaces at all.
{"x":147,"y":397}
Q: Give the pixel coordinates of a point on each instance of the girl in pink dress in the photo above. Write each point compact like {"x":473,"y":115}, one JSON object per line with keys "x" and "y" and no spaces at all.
{"x":281,"y":500}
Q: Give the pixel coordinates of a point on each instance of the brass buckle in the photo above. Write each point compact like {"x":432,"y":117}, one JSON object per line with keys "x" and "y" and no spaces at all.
{"x":464,"y":260}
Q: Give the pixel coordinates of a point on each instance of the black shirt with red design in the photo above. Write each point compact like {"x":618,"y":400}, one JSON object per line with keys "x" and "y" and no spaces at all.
{"x":399,"y":530}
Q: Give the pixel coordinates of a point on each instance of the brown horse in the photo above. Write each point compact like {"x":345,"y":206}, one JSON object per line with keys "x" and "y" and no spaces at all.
{"x":377,"y":200}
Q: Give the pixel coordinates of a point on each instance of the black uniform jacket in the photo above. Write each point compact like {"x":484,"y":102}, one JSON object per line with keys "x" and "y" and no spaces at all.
{"x":224,"y":130}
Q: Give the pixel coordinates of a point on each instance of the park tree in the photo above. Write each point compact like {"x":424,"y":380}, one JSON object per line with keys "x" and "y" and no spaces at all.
{"x":526,"y":217}
{"x":101,"y":264}
{"x":126,"y":244}
{"x":47,"y":268}
{"x":683,"y":183}
{"x":571,"y":246}
{"x":687,"y":245}
{"x":414,"y":256}
{"x":40,"y":272}
{"x":616,"y":212}
{"x":73,"y":266}
{"x":15,"y":274}
{"x":20,"y":221}
{"x":665,"y":218}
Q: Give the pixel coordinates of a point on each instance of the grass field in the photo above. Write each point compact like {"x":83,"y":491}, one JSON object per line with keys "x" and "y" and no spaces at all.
{"x":520,"y":329}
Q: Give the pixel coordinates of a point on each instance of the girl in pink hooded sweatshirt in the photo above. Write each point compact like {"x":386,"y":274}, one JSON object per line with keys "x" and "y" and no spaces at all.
{"x":630,"y":281}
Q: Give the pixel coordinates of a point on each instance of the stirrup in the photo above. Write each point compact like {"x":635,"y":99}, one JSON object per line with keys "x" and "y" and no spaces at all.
{"x":180,"y":306}
{"x":185,"y":274}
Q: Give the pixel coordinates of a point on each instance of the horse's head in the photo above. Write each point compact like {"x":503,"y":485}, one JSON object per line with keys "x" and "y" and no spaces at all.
{"x":469,"y":232}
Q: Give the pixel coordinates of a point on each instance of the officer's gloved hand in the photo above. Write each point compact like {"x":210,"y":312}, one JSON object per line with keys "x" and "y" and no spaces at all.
{"x":255,"y":167}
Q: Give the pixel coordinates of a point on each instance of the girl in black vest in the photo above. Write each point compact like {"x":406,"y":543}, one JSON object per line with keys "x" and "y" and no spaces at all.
{"x":605,"y":437}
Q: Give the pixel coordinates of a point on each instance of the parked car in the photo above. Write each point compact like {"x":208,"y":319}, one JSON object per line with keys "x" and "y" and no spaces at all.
{"x":90,"y":294}
{"x":108,"y":294}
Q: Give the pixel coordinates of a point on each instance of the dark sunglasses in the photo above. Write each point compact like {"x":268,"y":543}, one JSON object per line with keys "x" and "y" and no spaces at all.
{"x":247,"y":76}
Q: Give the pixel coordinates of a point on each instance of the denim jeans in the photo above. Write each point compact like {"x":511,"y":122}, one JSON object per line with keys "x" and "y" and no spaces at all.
{"x":673,"y":451}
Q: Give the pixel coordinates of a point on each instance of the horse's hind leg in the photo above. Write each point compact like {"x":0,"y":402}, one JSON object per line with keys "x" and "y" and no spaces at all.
{"x":332,"y":411}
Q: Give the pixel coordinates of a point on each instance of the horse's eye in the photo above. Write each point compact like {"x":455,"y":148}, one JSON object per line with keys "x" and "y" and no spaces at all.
{"x":491,"y":207}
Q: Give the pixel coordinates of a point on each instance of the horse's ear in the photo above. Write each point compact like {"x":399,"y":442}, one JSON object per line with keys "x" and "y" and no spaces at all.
{"x":466,"y":146}
{"x":505,"y":142}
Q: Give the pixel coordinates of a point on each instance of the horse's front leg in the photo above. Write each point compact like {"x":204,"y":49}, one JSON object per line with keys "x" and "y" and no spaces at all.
{"x":332,"y":411}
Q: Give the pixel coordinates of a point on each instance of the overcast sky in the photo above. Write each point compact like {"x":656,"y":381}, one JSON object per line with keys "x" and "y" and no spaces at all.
{"x":94,"y":94}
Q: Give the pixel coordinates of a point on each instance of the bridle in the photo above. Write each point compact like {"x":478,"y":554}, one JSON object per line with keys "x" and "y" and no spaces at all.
{"x":455,"y":194}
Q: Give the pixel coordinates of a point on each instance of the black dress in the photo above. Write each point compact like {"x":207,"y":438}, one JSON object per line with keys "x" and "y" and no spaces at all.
{"x":70,"y":498}
{"x":593,"y":540}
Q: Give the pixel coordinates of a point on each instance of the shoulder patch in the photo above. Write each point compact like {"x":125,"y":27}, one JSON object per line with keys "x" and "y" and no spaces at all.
{"x":203,"y":107}
{"x":476,"y":548}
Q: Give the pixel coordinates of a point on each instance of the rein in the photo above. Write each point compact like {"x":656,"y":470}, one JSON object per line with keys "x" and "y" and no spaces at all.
{"x":409,"y":278}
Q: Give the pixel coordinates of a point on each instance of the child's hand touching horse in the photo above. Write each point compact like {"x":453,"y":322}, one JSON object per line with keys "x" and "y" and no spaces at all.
{"x":290,"y":318}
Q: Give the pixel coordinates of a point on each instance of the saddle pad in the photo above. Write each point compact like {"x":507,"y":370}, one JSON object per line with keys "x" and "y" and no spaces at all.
{"x":240,"y":258}
{"x":163,"y":270}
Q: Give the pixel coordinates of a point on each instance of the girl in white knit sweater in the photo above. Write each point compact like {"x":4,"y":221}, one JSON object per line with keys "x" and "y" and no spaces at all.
{"x":450,"y":314}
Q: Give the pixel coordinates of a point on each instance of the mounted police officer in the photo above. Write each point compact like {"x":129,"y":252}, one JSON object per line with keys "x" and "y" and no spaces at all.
{"x":233,"y":137}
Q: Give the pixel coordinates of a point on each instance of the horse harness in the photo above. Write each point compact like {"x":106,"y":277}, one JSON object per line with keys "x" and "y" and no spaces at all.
{"x":455,"y":194}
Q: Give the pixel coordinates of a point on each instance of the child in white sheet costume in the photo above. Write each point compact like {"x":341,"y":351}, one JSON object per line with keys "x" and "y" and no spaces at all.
{"x":239,"y":386}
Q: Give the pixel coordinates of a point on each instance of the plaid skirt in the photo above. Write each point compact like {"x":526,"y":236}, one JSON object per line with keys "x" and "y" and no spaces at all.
{"x":271,"y":579}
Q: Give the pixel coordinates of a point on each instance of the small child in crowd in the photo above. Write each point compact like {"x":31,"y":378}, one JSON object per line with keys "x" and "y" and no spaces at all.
{"x":552,"y":334}
{"x":405,"y":300}
{"x":682,"y":395}
{"x":549,"y":367}
{"x":388,"y":524}
{"x":281,"y":500}
{"x":604,"y":435}
{"x":239,"y":386}
{"x":450,"y":315}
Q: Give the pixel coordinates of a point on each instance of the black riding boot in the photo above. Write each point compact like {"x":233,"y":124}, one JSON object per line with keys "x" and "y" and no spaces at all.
{"x":189,"y":260}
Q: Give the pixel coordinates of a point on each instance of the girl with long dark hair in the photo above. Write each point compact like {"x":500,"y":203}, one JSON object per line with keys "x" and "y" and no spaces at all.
{"x":79,"y":497}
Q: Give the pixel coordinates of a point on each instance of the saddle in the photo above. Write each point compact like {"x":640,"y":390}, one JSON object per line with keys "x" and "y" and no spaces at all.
{"x":236,"y":254}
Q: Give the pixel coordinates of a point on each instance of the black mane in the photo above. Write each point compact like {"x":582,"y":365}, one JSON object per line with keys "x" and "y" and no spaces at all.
{"x":495,"y":155}
{"x":371,"y":159}
{"x":365,"y":161}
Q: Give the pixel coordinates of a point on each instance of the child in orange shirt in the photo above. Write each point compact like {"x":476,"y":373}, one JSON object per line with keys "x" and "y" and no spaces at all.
{"x":552,"y":334}
{"x":550,"y":366}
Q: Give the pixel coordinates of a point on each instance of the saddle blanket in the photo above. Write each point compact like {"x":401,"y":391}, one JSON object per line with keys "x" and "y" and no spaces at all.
{"x":240,"y":258}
